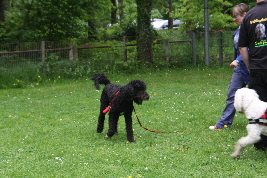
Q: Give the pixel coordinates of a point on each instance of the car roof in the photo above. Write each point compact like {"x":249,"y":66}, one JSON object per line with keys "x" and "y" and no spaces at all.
{"x":160,"y":23}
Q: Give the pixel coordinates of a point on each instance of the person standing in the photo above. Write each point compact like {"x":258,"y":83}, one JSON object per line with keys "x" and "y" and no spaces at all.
{"x":240,"y":77}
{"x":253,"y":37}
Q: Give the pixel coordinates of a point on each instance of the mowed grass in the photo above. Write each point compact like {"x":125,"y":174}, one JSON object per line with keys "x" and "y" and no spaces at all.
{"x":49,"y":130}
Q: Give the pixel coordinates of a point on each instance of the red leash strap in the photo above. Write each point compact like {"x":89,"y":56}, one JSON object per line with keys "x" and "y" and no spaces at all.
{"x":110,"y":103}
{"x":153,"y":130}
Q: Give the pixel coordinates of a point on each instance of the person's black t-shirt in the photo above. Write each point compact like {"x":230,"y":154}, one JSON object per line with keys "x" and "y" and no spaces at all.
{"x":253,"y":35}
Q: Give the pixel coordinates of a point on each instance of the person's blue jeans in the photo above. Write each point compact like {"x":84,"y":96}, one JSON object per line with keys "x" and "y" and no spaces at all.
{"x":228,"y":114}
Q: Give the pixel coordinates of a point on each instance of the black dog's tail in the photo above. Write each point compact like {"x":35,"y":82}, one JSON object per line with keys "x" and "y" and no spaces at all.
{"x":100,"y":79}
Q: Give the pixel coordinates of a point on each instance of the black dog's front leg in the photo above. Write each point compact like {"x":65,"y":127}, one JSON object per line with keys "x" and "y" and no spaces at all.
{"x":104,"y":102}
{"x":113,"y":124}
{"x":129,"y":128}
{"x":101,"y":120}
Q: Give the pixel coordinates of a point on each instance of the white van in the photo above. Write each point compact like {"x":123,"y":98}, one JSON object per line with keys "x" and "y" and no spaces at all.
{"x":163,"y":24}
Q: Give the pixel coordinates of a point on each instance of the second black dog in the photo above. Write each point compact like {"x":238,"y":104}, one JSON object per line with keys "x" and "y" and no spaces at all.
{"x":118,"y":100}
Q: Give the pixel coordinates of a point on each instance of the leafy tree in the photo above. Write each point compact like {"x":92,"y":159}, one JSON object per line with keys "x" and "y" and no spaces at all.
{"x":144,"y":33}
{"x":113,"y":11}
{"x":192,"y":13}
{"x":163,"y":9}
{"x":4,"y":4}
{"x":248,"y":2}
{"x":36,"y":20}
{"x":121,"y":10}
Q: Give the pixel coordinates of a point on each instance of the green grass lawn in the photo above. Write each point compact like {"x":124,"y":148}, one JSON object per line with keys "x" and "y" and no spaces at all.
{"x":49,"y":130}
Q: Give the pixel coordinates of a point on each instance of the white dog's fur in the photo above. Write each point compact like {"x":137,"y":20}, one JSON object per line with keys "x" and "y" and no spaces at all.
{"x":247,"y":101}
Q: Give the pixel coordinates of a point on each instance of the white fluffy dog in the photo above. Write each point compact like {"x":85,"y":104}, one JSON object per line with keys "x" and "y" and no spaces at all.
{"x":247,"y":101}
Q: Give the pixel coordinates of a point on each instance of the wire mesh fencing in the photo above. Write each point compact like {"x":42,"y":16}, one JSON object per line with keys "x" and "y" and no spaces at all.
{"x":76,"y":58}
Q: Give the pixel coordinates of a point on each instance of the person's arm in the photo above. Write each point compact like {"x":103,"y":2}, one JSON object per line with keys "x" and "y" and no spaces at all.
{"x":245,"y":55}
{"x":234,"y":64}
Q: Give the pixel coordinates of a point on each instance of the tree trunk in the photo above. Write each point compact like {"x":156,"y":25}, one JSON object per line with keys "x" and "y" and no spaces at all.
{"x":91,"y":29}
{"x":4,"y":4}
{"x":170,"y":19}
{"x":91,"y":23}
{"x":121,"y":10}
{"x":144,"y":32}
{"x":113,"y":12}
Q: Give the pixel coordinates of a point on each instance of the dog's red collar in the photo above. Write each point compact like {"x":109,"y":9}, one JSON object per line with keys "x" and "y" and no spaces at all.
{"x":110,"y":103}
{"x":264,"y":115}
{"x":262,"y":120}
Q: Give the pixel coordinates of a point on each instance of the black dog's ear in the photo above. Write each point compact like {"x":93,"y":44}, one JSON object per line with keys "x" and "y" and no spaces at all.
{"x":138,"y":84}
{"x":97,"y":85}
{"x":95,"y":79}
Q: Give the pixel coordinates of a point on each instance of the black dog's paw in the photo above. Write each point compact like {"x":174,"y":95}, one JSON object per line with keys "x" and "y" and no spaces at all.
{"x":99,"y":130}
{"x":132,"y":140}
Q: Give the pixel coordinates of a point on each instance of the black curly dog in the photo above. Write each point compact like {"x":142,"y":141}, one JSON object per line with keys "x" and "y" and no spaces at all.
{"x":118,"y":100}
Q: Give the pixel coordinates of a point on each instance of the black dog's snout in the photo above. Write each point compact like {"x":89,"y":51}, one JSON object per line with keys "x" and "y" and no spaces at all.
{"x":145,"y":96}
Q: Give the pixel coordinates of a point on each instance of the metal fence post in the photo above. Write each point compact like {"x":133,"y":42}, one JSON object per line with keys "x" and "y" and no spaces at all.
{"x":194,"y":49}
{"x":220,"y":41}
{"x":206,"y":34}
{"x":43,"y":55}
{"x":124,"y":49}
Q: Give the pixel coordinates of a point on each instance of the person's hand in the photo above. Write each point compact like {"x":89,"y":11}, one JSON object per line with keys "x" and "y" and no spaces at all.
{"x":234,"y":64}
